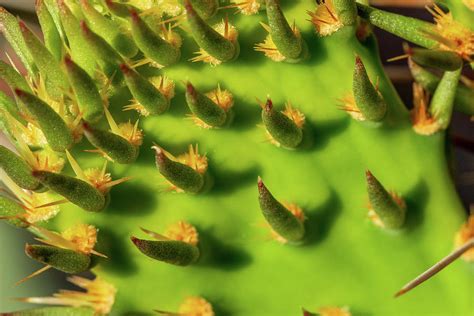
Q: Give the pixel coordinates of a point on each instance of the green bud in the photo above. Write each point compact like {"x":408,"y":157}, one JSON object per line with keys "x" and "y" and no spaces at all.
{"x":429,"y":81}
{"x":17,"y":169}
{"x":48,"y":66}
{"x":64,"y":260}
{"x":209,"y":39}
{"x":74,"y":190}
{"x":152,"y":100}
{"x":281,"y":127}
{"x":8,"y":107}
{"x":10,"y":208}
{"x":442,"y":102}
{"x":52,"y":125}
{"x":151,"y":44}
{"x":116,"y":147}
{"x":86,"y":92}
{"x":81,"y":51}
{"x":10,"y":29}
{"x":119,"y":9}
{"x":56,"y":311}
{"x":408,"y":28}
{"x":287,"y":42}
{"x":368,"y":100}
{"x":388,"y":210}
{"x":442,"y":59}
{"x":282,"y":221}
{"x":346,"y":11}
{"x":13,"y":78}
{"x":204,"y":108}
{"x":52,"y":38}
{"x":181,"y":175}
{"x":174,"y":252}
{"x":205,"y":8}
{"x":109,"y":30}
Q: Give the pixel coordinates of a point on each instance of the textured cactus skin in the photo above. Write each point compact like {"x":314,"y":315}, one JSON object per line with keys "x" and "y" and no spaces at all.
{"x":345,"y":259}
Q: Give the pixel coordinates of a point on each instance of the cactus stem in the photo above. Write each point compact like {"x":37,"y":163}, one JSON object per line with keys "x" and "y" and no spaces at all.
{"x":440,"y":265}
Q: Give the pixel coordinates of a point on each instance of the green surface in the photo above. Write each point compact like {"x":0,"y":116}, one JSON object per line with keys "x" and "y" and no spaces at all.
{"x":346,"y":260}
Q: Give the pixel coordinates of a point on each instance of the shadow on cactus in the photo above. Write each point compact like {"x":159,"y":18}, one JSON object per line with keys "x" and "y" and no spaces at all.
{"x":239,"y":160}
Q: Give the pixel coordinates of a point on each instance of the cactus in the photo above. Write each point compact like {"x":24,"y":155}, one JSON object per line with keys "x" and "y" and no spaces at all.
{"x":225,"y":164}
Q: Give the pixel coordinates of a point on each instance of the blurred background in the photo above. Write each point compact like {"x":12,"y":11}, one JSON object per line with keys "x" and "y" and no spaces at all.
{"x":460,"y":148}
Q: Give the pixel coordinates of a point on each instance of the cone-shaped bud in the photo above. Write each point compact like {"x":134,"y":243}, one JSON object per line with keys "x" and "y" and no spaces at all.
{"x":149,"y":97}
{"x":18,"y":170}
{"x":99,"y":46}
{"x":11,"y":31}
{"x":81,"y":51}
{"x":442,"y":59}
{"x":282,"y":221}
{"x":367,"y":98}
{"x":408,"y":28}
{"x":52,"y":38}
{"x":87,"y":95}
{"x":12,"y":77}
{"x":170,"y":251}
{"x":109,"y":30}
{"x":120,"y":9}
{"x":151,"y":44}
{"x":8,"y":110}
{"x":64,"y":260}
{"x":56,"y":311}
{"x":442,"y":103}
{"x":429,"y":81}
{"x":114,"y":146}
{"x":204,"y":108}
{"x":182,"y":176}
{"x":12,"y":211}
{"x":281,"y":128}
{"x":74,"y":190}
{"x":287,"y":42}
{"x":48,"y":65}
{"x":205,"y":8}
{"x":390,"y":212}
{"x":52,"y":125}
{"x":215,"y":44}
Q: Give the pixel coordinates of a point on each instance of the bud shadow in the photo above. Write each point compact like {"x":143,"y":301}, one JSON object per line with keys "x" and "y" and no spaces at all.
{"x":226,"y":181}
{"x":320,"y":220}
{"x":248,"y":55}
{"x":416,"y":200}
{"x":318,"y":135}
{"x":316,"y":48}
{"x":247,"y":115}
{"x":132,"y":199}
{"x":218,"y":254}
{"x":114,"y":246}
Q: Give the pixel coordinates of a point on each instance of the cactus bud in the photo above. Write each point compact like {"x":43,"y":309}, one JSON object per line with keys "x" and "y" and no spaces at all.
{"x":442,"y":103}
{"x":282,"y":221}
{"x":151,"y":44}
{"x":99,"y":46}
{"x":13,"y":78}
{"x":109,"y":30}
{"x":215,"y":44}
{"x":85,"y":90}
{"x":56,"y":83}
{"x":119,"y":9}
{"x":389,"y":209}
{"x":54,"y":128}
{"x":282,"y":129}
{"x":64,"y":260}
{"x":149,"y":96}
{"x":114,"y":146}
{"x":12,"y":211}
{"x":76,"y":191}
{"x":182,"y":176}
{"x":175,"y":252}
{"x":52,"y":38}
{"x":288,"y":42}
{"x":442,"y":59}
{"x":369,"y":101}
{"x":205,"y":8}
{"x":18,"y":170}
{"x":204,"y":108}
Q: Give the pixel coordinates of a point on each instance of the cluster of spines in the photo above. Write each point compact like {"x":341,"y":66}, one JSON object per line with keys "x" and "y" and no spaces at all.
{"x":113,"y":48}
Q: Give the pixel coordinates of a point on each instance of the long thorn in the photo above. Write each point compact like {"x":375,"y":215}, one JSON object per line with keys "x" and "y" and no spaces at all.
{"x":440,"y":265}
{"x":43,"y":269}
